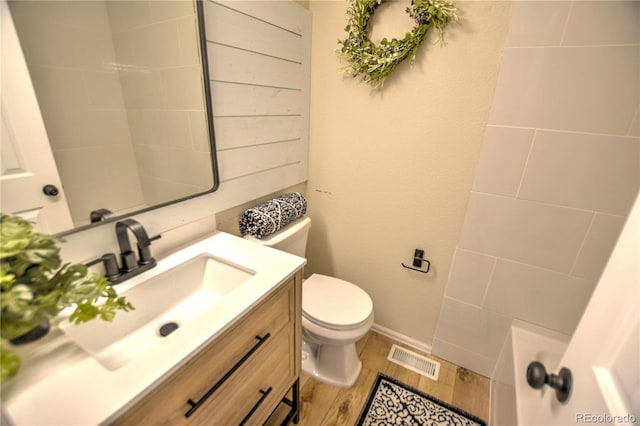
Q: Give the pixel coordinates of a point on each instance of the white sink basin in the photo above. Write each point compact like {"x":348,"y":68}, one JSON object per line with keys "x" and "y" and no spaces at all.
{"x":176,"y":295}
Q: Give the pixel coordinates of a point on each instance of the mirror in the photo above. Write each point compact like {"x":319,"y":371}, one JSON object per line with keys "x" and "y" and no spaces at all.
{"x":123,"y":91}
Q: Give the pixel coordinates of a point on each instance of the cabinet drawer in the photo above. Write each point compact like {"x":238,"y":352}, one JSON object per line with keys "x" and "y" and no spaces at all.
{"x":255,"y":390}
{"x":168,"y":402}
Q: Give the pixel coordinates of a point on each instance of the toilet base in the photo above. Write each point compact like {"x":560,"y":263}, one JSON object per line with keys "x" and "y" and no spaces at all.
{"x":337,"y":365}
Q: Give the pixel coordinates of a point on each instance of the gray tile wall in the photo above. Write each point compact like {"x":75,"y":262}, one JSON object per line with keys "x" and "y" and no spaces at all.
{"x":558,"y":173}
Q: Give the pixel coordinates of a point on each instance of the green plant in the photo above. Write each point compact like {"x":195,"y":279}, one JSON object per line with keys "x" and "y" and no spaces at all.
{"x":374,"y":63}
{"x":35,"y":286}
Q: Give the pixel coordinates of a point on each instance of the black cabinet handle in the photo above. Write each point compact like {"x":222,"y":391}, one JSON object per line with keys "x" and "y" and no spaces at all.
{"x":195,"y":405}
{"x":255,"y":407}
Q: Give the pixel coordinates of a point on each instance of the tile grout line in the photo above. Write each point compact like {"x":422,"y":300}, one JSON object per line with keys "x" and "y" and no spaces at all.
{"x":526,"y":163}
{"x":626,"y":135}
{"x":566,"y":23}
{"x":582,"y":244}
{"x":635,"y":117}
{"x":546,"y":203}
{"x":520,"y":262}
{"x":486,"y":290}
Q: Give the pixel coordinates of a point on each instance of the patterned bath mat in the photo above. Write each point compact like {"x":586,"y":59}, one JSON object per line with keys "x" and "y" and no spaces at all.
{"x":391,"y":402}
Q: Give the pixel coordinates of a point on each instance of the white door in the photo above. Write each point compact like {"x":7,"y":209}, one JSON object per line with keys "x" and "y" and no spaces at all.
{"x":27,"y":163}
{"x":604,"y":353}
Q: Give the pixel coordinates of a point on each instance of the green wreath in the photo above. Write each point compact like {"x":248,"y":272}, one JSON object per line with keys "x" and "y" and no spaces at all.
{"x":373,"y":64}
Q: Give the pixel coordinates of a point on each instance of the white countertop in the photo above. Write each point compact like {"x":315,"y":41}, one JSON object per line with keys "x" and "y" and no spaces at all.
{"x":60,"y":384}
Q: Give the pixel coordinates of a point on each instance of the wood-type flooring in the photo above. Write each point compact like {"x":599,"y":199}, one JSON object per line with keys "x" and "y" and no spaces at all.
{"x":323,"y":404}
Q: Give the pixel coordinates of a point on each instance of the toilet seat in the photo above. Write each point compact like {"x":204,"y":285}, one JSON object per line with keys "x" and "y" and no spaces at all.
{"x":334,"y":303}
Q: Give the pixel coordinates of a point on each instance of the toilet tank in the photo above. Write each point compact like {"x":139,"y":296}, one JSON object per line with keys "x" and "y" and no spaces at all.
{"x":292,"y":238}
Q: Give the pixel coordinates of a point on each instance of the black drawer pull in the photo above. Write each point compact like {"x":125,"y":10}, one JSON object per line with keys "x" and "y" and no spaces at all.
{"x":255,"y":407}
{"x":196,"y":405}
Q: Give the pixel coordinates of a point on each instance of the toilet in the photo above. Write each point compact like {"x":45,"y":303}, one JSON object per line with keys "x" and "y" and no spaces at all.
{"x":335,"y":314}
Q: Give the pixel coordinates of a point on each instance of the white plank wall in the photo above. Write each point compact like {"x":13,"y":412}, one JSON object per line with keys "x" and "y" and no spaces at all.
{"x":259,"y":65}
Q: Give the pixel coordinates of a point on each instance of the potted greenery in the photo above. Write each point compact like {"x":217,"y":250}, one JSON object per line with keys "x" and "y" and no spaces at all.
{"x":35,"y":287}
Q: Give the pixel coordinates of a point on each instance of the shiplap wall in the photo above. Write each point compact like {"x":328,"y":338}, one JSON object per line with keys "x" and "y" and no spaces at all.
{"x":259,"y":65}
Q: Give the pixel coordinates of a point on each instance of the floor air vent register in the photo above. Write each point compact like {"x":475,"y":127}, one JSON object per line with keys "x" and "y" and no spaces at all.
{"x":414,"y":362}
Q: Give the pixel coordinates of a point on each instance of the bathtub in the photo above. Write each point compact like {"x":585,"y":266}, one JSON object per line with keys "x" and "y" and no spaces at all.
{"x":513,"y":401}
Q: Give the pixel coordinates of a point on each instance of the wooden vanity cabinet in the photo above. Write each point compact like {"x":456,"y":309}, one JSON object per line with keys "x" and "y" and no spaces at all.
{"x":240,"y":377}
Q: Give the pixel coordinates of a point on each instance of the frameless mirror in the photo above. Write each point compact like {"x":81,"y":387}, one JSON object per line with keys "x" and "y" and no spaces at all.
{"x":122,"y":89}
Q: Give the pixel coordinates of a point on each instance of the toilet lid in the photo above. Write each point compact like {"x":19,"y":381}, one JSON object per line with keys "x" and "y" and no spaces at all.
{"x":334,"y":303}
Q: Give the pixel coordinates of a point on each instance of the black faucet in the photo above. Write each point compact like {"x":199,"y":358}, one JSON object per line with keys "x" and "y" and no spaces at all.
{"x":99,"y":215}
{"x":130,"y":266}
{"x":127,"y":256}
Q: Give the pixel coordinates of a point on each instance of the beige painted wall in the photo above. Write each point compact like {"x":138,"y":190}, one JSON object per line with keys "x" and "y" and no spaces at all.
{"x":391,"y":171}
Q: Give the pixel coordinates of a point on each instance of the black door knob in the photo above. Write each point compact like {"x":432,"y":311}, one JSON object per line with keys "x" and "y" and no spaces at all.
{"x":537,"y":377}
{"x":50,"y":190}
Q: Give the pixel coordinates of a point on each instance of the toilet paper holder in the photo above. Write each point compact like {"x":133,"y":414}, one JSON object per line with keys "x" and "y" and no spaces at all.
{"x":418,"y":260}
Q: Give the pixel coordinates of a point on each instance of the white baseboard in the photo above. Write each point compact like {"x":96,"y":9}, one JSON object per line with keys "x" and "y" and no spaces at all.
{"x":401,"y":338}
